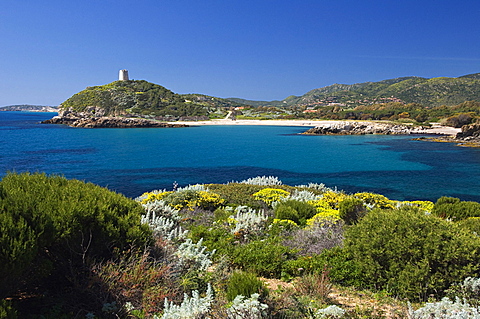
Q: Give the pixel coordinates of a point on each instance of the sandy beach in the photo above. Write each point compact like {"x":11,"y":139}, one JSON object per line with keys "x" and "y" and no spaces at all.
{"x":434,"y":129}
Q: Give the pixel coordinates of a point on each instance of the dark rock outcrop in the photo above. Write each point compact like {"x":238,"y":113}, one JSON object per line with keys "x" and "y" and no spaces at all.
{"x":469,"y":132}
{"x":108,"y":122}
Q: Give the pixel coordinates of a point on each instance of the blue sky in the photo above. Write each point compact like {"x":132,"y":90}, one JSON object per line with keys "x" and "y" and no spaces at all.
{"x":259,"y":50}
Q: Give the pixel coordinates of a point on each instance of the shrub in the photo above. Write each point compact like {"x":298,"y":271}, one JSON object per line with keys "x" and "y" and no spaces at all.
{"x":138,"y":279}
{"x":191,"y":307}
{"x":294,"y":210}
{"x":246,"y":284}
{"x":375,"y":200}
{"x":249,"y":308}
{"x":190,"y":198}
{"x":263,"y":180}
{"x":214,"y":238}
{"x":409,"y":253}
{"x":460,"y":119}
{"x":351,"y":210}
{"x":263,"y":257}
{"x":248,"y":222}
{"x":332,"y":199}
{"x":237,"y":194}
{"x":446,"y":309}
{"x":194,"y":256}
{"x":7,"y":311}
{"x":314,"y":285}
{"x":152,"y":196}
{"x":314,"y":239}
{"x":472,"y":224}
{"x":455,"y":209}
{"x":270,"y":195}
{"x":468,"y":291}
{"x":60,"y":226}
{"x":332,"y":311}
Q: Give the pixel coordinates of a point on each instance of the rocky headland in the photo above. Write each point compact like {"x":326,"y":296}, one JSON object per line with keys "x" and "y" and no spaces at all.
{"x":95,"y":118}
{"x":469,"y":136}
{"x":362,"y":128}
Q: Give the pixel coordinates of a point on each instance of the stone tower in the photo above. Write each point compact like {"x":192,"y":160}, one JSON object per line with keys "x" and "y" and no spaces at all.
{"x":123,"y":75}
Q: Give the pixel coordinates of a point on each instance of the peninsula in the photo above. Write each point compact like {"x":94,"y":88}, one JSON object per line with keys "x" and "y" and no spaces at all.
{"x":387,"y":107}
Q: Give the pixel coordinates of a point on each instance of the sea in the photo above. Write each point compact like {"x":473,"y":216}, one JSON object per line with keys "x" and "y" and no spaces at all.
{"x":136,"y":160}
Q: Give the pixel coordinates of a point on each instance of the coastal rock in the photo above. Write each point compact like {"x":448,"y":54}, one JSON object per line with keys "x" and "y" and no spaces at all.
{"x":108,"y":122}
{"x":362,"y":128}
{"x":470,"y":131}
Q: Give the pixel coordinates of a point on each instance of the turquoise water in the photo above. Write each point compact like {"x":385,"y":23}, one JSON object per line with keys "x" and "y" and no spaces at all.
{"x":132,"y":161}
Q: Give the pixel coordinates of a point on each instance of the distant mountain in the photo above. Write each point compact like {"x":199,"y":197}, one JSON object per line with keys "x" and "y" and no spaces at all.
{"x":428,"y":92}
{"x":139,"y":97}
{"x":29,"y":108}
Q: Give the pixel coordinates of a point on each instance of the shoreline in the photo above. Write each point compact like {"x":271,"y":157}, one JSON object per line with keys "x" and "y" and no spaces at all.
{"x":435,"y":129}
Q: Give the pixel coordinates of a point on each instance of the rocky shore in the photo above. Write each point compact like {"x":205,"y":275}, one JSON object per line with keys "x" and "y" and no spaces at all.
{"x":469,"y":136}
{"x":362,"y":128}
{"x":108,"y":122}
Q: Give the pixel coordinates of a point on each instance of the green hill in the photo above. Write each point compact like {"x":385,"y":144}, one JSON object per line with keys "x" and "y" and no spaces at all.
{"x":139,"y":97}
{"x":428,"y":92}
{"x":142,"y":98}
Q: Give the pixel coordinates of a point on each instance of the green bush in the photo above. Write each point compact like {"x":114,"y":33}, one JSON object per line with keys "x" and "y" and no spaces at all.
{"x":351,"y":210}
{"x":408,"y":253}
{"x":263,"y":257}
{"x":238,"y":194}
{"x":245,"y":284}
{"x":295,"y":210}
{"x":455,"y":209}
{"x":7,"y":311}
{"x":472,"y":224}
{"x":60,"y":226}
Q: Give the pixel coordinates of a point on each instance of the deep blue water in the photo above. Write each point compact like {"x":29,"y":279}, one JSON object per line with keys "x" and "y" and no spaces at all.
{"x":132,"y":161}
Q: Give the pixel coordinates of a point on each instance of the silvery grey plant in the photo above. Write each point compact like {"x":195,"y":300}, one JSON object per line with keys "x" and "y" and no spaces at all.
{"x":190,"y":308}
{"x":263,"y":181}
{"x":445,"y":309}
{"x":332,"y":311}
{"x":164,"y":227}
{"x":194,"y":254}
{"x":321,"y":187}
{"x":302,"y":196}
{"x":249,"y":220}
{"x":247,"y":308}
{"x":160,"y":208}
{"x":196,"y":187}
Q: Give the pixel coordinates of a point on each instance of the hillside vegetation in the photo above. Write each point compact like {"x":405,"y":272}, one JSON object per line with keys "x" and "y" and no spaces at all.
{"x":411,"y":99}
{"x":246,"y":250}
{"x":122,"y":98}
{"x":427,"y":92}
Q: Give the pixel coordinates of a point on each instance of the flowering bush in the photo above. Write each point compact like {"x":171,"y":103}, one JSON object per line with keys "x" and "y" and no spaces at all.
{"x":152,"y":196}
{"x":425,"y":206}
{"x":270,"y":195}
{"x":324,"y":216}
{"x":375,"y":200}
{"x":332,"y":199}
{"x":190,"y":199}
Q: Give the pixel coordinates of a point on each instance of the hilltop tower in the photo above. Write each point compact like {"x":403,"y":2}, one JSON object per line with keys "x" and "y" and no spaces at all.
{"x":123,"y":75}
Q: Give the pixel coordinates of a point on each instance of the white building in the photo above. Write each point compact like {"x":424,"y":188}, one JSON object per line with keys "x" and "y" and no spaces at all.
{"x":123,"y":75}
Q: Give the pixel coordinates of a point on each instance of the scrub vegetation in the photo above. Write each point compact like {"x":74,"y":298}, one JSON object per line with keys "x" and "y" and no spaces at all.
{"x":250,"y":249}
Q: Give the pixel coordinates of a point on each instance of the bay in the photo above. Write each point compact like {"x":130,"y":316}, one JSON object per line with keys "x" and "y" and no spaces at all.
{"x":132,"y":161}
